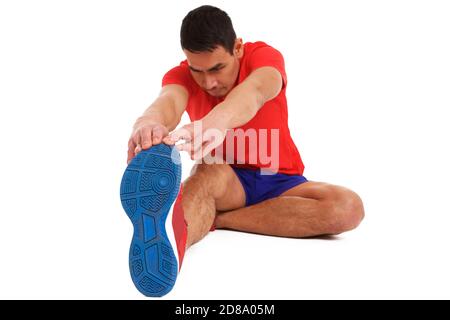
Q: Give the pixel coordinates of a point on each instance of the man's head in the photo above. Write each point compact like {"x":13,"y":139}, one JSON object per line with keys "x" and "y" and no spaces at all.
{"x":212,"y":49}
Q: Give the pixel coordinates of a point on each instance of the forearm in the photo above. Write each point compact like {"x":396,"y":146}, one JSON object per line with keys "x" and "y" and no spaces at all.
{"x":151,"y":116}
{"x":244,"y":101}
{"x":240,"y":106}
{"x":159,"y":112}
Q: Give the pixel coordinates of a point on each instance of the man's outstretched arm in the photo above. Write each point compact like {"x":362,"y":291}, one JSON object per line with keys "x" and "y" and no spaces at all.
{"x":240,"y":106}
{"x":162,"y":116}
{"x":244,"y":101}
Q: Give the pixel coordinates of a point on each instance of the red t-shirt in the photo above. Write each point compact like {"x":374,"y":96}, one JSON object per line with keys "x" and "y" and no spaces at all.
{"x":272,"y":115}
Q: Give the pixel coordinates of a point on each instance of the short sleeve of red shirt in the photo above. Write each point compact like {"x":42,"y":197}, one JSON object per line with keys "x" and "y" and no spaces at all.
{"x":267,"y":56}
{"x":179,"y":75}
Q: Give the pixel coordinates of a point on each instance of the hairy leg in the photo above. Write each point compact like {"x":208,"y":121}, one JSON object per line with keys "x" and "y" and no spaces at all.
{"x":209,"y":189}
{"x":309,"y":209}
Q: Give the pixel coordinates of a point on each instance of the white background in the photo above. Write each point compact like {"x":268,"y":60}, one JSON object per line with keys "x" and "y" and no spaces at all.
{"x":369,"y":93}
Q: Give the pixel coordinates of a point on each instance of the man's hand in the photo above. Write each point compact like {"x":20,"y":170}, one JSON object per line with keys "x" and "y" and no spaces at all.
{"x":200,"y":138}
{"x":145,"y":136}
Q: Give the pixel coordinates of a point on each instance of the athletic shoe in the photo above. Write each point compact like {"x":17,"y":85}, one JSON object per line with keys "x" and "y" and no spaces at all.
{"x":149,"y":188}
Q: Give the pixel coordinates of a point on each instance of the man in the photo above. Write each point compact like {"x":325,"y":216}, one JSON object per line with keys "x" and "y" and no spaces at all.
{"x":224,"y":85}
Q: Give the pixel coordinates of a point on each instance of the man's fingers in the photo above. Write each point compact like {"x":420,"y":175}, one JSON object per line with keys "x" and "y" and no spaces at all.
{"x":131,"y":147}
{"x":130,"y":155}
{"x":131,"y":144}
{"x":189,"y":148}
{"x":137,"y":149}
{"x":207,"y":145}
{"x":181,"y":134}
{"x":136,"y":138}
{"x":157,"y":135}
{"x":146,"y":137}
{"x":168,"y":141}
{"x":197,"y":149}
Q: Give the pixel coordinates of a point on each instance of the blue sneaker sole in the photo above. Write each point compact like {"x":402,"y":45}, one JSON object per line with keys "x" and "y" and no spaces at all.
{"x":148,"y":189}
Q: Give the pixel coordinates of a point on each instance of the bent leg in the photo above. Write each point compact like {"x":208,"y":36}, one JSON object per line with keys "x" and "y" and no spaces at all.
{"x":309,"y":209}
{"x":209,"y":189}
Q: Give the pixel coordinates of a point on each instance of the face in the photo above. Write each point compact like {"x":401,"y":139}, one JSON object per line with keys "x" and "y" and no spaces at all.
{"x":216,"y":72}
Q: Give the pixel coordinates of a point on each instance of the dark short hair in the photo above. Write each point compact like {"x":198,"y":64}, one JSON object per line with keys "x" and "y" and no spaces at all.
{"x":206,"y":28}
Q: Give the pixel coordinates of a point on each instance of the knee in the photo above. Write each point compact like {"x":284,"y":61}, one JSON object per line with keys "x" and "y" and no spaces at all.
{"x":346,"y":212}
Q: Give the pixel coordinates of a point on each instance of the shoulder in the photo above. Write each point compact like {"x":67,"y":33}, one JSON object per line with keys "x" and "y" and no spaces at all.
{"x":260,"y":54}
{"x":179,"y":75}
{"x":259,"y":48}
{"x":180,"y":70}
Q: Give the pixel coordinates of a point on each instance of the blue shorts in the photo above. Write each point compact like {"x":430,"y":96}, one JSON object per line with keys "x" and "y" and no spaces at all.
{"x":259,"y":187}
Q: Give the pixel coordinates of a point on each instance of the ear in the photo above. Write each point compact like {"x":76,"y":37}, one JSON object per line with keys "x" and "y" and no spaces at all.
{"x":238,"y":48}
